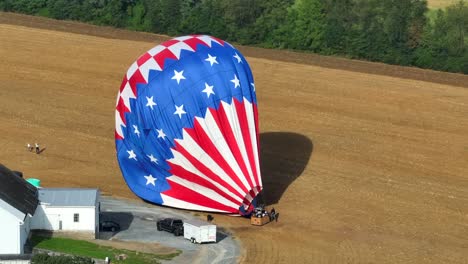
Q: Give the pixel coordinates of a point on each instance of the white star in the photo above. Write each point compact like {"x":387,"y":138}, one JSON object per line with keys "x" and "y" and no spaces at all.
{"x":131,"y":154}
{"x":150,"y":179}
{"x":179,"y":111}
{"x":178,"y":76}
{"x":161,"y":133}
{"x":136,"y":130}
{"x":150,"y":103}
{"x":239,"y":60}
{"x":152,"y":158}
{"x":211,"y":59}
{"x":235,"y":81}
{"x":253,"y":85}
{"x":208,"y":90}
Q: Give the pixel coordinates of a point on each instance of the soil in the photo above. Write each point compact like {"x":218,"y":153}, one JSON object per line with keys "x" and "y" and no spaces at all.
{"x":364,"y":162}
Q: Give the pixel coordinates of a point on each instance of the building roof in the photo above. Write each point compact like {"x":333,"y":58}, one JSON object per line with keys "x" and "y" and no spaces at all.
{"x":68,"y":197}
{"x":17,"y":192}
{"x":196,"y":222}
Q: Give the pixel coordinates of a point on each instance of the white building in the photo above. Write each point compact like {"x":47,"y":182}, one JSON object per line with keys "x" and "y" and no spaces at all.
{"x":18,"y":202}
{"x":69,"y":209}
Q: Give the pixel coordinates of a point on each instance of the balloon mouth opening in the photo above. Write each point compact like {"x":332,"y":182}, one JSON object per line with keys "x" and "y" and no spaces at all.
{"x":250,"y":201}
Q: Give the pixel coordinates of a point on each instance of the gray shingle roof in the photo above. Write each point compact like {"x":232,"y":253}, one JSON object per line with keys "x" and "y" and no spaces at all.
{"x":68,"y":196}
{"x":17,"y":192}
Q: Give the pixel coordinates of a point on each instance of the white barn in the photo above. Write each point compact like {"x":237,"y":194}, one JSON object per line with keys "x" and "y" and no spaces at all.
{"x":68,"y":209}
{"x":18,"y":202}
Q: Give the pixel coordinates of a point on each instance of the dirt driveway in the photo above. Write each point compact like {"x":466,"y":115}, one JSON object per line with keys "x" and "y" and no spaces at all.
{"x":137,"y":221}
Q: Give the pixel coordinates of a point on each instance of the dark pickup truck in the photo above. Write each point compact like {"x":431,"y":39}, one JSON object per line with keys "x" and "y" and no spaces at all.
{"x":175,"y":226}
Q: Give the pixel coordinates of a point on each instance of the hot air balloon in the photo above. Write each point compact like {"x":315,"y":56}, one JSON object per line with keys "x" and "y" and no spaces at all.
{"x":187,"y":126}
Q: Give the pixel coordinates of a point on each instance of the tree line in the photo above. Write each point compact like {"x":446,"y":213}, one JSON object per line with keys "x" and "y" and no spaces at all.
{"x":403,"y":32}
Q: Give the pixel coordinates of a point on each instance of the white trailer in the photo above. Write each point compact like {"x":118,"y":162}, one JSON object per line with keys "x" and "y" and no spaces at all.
{"x":199,"y":232}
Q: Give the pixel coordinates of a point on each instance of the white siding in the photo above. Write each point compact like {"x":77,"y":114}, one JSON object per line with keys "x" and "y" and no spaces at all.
{"x":39,"y":221}
{"x":24,"y":232}
{"x":19,"y":261}
{"x":49,"y":218}
{"x":9,"y":230}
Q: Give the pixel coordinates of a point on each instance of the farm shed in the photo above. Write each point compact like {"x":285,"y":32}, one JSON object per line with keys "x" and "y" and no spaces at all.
{"x":18,"y":202}
{"x":69,"y":209}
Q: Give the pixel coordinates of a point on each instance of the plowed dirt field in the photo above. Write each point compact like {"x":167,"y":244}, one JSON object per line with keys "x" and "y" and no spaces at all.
{"x":366,"y":163}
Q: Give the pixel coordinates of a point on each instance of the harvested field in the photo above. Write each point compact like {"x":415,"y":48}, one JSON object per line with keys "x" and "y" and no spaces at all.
{"x":366,"y":163}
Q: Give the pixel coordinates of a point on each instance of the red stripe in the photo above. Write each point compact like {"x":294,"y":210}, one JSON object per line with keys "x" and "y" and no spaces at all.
{"x":162,"y":56}
{"x":243,"y":121}
{"x":192,"y":177}
{"x":117,"y":136}
{"x":124,"y":82}
{"x":244,"y":126}
{"x":122,"y":109}
{"x":144,"y":58}
{"x":170,"y":42}
{"x":222,"y":121}
{"x":193,"y":42}
{"x":219,"y":40}
{"x":199,"y":135}
{"x":205,"y":170}
{"x":179,"y":192}
{"x":255,"y":111}
{"x":135,"y":79}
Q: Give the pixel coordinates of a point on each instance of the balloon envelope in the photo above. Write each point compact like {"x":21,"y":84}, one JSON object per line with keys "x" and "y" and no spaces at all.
{"x":187,"y":126}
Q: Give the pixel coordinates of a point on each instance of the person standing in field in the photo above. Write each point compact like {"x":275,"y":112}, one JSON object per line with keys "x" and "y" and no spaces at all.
{"x":37,"y":148}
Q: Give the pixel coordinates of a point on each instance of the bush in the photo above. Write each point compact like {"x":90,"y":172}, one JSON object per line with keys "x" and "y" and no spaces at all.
{"x":46,"y":259}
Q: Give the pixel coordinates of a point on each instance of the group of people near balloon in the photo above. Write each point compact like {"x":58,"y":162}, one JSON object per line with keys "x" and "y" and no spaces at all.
{"x":260,"y":212}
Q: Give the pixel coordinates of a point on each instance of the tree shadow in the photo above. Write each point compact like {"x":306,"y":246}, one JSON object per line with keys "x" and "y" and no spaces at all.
{"x":283,"y":158}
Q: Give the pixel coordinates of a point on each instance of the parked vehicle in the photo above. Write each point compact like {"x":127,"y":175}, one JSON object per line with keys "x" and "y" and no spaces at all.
{"x":171,"y":225}
{"x":109,"y":226}
{"x":199,"y":232}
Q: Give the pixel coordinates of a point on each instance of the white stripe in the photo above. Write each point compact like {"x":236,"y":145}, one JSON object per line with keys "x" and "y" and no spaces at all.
{"x":171,"y":201}
{"x":182,"y":38}
{"x":150,"y":64}
{"x":253,"y":139}
{"x":198,"y":153}
{"x":178,"y":47}
{"x":249,"y":197}
{"x":133,"y":68}
{"x":118,"y":124}
{"x":208,"y":193}
{"x":207,"y":40}
{"x":180,"y":160}
{"x":118,"y":98}
{"x":126,"y":94}
{"x":156,"y":50}
{"x":231,"y":113}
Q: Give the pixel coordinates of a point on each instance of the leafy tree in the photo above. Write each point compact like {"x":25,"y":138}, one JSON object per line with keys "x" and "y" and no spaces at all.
{"x":339,"y":19}
{"x":306,"y":20}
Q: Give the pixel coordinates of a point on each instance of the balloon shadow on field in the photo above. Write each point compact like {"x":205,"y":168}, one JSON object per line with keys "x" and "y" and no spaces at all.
{"x":283,"y":158}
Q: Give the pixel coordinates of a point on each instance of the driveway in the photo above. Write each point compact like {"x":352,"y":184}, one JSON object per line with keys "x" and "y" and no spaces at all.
{"x":138,"y":223}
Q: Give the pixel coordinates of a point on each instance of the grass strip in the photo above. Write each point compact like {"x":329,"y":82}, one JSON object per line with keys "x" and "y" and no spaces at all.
{"x":88,"y":249}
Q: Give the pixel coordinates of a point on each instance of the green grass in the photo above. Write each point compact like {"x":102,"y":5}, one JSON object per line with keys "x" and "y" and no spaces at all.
{"x":88,"y":249}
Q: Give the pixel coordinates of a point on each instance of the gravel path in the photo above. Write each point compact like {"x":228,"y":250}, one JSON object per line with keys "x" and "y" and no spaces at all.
{"x":138,"y":223}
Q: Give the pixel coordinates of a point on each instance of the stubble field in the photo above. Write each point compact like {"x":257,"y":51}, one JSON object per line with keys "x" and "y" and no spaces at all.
{"x":366,"y":163}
